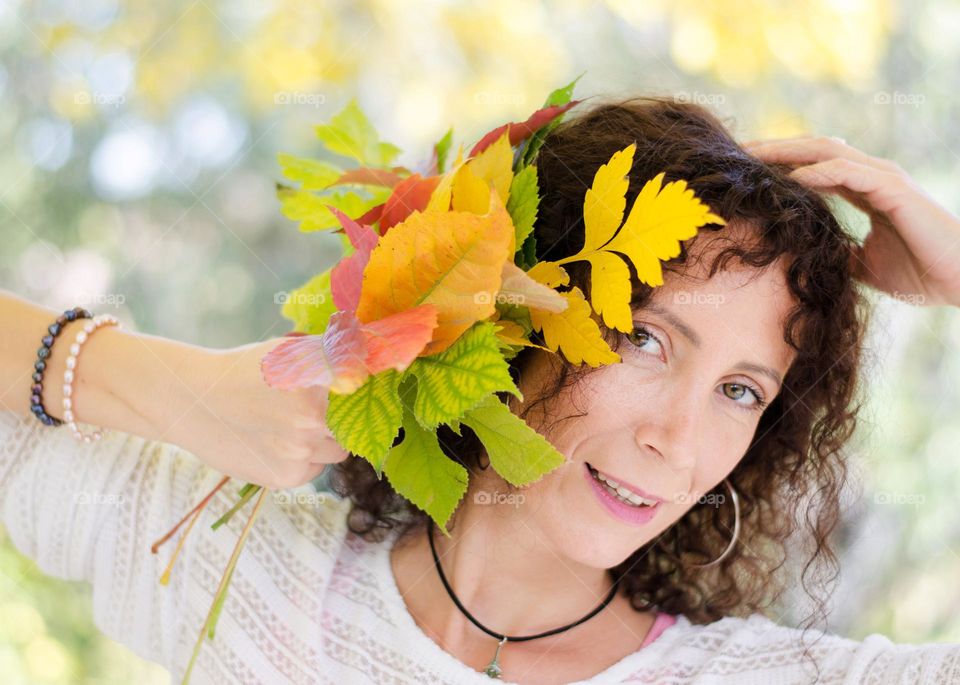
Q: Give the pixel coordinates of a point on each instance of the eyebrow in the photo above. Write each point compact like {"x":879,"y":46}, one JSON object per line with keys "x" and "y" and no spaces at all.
{"x":694,"y":338}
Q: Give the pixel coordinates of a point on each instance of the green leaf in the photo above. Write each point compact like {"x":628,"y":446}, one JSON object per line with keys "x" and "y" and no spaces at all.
{"x":523,"y":202}
{"x":443,"y":148}
{"x":560,"y":96}
{"x":456,"y":379}
{"x":366,"y":421}
{"x":310,"y":209}
{"x":309,"y":307}
{"x":528,"y":253}
{"x":419,"y":470}
{"x":311,"y":174}
{"x":517,"y":452}
{"x":351,"y":134}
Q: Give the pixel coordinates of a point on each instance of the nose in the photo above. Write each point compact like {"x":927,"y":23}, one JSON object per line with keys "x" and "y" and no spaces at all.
{"x":671,"y":436}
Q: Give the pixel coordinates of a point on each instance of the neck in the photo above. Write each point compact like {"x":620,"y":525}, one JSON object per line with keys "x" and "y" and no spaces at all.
{"x":504,"y":572}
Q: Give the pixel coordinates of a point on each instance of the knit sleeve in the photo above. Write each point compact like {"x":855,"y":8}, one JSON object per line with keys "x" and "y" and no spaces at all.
{"x":90,"y":511}
{"x":756,"y":650}
{"x":877,"y":659}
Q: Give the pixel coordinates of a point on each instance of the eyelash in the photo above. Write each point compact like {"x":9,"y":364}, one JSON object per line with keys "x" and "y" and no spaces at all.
{"x":757,"y":393}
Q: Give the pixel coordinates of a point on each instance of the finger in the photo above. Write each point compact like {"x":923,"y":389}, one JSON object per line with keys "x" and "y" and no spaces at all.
{"x":881,"y":189}
{"x":760,"y":142}
{"x":813,"y":149}
{"x":853,"y":198}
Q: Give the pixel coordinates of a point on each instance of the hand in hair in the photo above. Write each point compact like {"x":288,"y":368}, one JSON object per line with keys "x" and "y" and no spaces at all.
{"x":913,"y":248}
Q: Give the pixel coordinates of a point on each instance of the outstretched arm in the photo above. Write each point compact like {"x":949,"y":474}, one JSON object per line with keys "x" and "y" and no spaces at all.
{"x":212,"y":403}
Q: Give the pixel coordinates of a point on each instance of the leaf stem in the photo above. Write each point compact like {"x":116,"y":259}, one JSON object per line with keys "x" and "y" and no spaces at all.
{"x":203,"y":503}
{"x":221,"y":592}
{"x":246,"y":493}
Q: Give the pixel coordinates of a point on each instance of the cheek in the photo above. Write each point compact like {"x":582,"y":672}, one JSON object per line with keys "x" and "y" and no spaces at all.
{"x":715,"y":465}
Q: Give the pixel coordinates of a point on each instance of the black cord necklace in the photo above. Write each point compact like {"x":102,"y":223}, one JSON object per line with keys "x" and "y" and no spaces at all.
{"x":493,"y":668}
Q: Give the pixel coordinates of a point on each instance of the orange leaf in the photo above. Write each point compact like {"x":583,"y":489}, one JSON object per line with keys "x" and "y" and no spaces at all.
{"x":450,"y":259}
{"x":395,"y":341}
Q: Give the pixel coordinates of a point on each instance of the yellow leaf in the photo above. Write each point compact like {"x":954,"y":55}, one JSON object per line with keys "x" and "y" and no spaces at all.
{"x":440,"y":199}
{"x":495,"y":165}
{"x":611,"y":290}
{"x":470,"y":192}
{"x":652,"y":232}
{"x":606,"y":199}
{"x":659,"y":219}
{"x":511,"y":333}
{"x":573,"y":332}
{"x":453,"y":260}
{"x":550,"y":274}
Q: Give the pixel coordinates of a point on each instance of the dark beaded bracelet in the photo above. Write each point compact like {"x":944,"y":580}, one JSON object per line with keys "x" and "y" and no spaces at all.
{"x":43,"y":353}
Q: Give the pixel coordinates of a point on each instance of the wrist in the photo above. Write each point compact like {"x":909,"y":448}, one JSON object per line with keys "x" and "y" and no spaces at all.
{"x":123,"y":380}
{"x":182,"y":377}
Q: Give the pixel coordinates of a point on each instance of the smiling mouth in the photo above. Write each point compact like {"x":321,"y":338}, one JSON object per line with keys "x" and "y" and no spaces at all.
{"x":622,"y":493}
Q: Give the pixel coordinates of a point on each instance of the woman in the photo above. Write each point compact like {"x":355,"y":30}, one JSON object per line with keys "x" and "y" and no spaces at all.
{"x":724,"y":425}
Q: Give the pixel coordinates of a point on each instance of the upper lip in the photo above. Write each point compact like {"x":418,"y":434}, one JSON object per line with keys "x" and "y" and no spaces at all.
{"x":629,"y":486}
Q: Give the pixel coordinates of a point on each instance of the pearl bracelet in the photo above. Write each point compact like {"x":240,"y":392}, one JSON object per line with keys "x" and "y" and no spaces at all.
{"x":88,"y":328}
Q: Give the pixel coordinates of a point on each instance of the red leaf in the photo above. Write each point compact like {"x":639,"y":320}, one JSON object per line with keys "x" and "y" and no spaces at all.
{"x":372,"y":216}
{"x":396,"y":340}
{"x":519,"y":131}
{"x":334,"y":359}
{"x":369,"y":176}
{"x":412,"y":193}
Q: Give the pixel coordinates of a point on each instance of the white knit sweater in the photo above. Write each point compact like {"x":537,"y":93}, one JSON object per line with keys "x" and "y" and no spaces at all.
{"x":309,"y":601}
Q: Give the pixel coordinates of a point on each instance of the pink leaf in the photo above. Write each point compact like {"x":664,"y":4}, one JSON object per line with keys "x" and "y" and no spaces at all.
{"x":334,"y":359}
{"x":346,"y":278}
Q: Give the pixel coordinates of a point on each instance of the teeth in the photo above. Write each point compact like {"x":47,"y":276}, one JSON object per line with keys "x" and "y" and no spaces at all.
{"x":620,"y":492}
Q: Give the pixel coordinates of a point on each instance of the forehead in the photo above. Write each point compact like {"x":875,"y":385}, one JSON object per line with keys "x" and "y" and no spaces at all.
{"x":741,"y":309}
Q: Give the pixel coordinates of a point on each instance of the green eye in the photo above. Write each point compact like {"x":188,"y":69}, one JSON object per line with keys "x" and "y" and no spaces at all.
{"x":743,"y":389}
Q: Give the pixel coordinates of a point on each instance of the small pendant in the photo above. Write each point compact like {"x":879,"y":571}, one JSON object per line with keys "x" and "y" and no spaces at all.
{"x":493,"y":668}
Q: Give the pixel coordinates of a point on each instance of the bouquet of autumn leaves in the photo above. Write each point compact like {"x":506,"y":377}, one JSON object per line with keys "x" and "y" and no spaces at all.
{"x":439,"y":288}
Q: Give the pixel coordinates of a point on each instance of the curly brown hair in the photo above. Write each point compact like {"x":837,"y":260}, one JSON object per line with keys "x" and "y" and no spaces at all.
{"x":791,"y":476}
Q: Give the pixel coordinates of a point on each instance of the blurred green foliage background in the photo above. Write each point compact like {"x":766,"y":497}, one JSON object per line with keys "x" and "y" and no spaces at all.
{"x":140,"y":162}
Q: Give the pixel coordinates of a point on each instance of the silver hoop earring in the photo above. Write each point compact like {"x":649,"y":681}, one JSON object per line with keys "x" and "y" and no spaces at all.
{"x":736,"y":529}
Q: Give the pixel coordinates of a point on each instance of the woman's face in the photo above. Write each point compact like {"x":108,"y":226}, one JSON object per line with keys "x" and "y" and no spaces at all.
{"x":672,"y":419}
